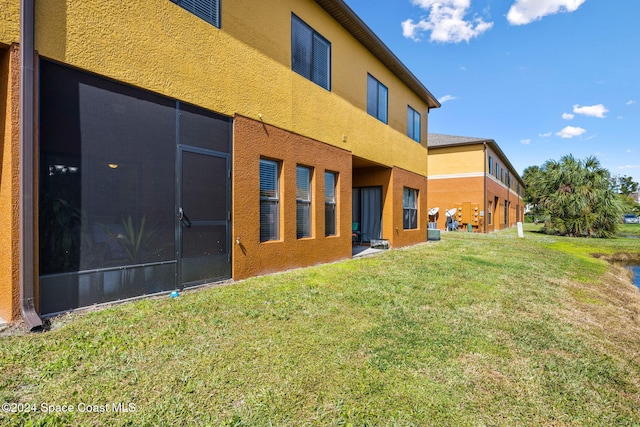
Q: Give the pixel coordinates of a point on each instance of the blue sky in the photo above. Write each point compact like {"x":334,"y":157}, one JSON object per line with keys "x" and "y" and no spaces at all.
{"x":543,"y":78}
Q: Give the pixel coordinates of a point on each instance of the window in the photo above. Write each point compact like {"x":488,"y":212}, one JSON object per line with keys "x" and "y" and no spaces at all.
{"x":329,"y":204}
{"x":413,"y":124}
{"x":489,"y":213}
{"x":303,"y":202}
{"x":377,"y":99}
{"x":497,"y":170}
{"x":506,"y":212}
{"x":410,"y":207}
{"x":209,"y":10}
{"x":310,"y":53}
{"x":269,"y":200}
{"x":490,"y":165}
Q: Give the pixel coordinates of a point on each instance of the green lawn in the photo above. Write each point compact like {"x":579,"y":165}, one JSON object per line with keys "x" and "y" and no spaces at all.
{"x":630,"y":229}
{"x":473,"y":330}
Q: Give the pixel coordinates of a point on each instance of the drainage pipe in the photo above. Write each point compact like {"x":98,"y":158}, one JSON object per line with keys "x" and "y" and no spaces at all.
{"x":27,"y":145}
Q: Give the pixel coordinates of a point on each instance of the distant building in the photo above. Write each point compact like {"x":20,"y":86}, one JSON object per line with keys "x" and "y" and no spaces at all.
{"x":473,"y":180}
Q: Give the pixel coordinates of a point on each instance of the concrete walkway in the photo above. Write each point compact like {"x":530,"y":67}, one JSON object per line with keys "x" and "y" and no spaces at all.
{"x":360,"y":251}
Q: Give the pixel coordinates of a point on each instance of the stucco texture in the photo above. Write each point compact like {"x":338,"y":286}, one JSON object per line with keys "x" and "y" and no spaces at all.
{"x":393,"y":181}
{"x":254,"y":140}
{"x":9,"y":183}
{"x":242,"y":68}
{"x":448,"y":193}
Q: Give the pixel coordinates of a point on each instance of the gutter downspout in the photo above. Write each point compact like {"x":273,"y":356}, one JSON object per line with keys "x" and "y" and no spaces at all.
{"x":484,"y":183}
{"x":27,"y":144}
{"x":508,"y":199}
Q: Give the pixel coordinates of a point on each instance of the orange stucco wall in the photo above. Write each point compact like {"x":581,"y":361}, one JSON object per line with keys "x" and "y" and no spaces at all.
{"x":459,"y":174}
{"x":253,"y":140}
{"x":447,"y":193}
{"x":515,"y":208}
{"x":9,"y":183}
{"x":393,"y":181}
{"x":401,"y":237}
{"x":378,"y":176}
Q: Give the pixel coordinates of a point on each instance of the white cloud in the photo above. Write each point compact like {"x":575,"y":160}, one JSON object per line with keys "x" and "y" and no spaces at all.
{"x":598,"y":110}
{"x":525,"y":141}
{"x":545,"y":135}
{"x":447,"y":98}
{"x":445,"y":22}
{"x":629,"y":167}
{"x":567,"y":116}
{"x":570,"y":132}
{"x":631,"y":102}
{"x":526,"y":11}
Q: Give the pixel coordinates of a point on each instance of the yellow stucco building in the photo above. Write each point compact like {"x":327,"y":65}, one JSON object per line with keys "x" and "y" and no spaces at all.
{"x":175,"y":143}
{"x":472,"y":182}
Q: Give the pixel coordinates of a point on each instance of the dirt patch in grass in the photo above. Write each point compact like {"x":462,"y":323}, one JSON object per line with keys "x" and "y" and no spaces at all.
{"x":611,"y":306}
{"x":624,"y":258}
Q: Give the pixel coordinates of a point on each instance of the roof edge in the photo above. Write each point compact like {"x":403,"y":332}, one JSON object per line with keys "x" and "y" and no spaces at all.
{"x":474,"y":141}
{"x":346,"y":17}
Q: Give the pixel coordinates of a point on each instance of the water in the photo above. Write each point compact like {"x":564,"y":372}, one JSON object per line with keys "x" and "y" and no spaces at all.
{"x":636,"y":274}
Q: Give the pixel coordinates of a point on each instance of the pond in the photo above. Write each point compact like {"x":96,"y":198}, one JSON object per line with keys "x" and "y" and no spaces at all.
{"x":636,"y":274}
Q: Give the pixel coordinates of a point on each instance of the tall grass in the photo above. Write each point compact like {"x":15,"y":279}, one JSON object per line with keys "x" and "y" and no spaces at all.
{"x":473,"y":330}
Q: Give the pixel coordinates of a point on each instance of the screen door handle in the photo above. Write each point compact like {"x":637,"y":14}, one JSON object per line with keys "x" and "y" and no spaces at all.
{"x":184,"y":219}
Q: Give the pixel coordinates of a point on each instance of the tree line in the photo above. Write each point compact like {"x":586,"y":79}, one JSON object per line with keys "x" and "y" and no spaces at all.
{"x":578,"y":198}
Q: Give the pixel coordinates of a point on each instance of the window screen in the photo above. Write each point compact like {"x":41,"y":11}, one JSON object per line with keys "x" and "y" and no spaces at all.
{"x":377,"y":99}
{"x":209,"y":10}
{"x":269,"y":201}
{"x":410,"y":209}
{"x":329,"y":204}
{"x":303,"y":202}
{"x":413,"y":124}
{"x":310,"y":53}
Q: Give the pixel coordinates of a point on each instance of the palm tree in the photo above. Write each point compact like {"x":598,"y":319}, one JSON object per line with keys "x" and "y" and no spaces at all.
{"x":577,"y":198}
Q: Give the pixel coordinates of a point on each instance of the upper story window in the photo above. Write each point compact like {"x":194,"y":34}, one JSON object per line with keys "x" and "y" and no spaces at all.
{"x":310,"y":53}
{"x":413,"y":124}
{"x":209,"y":10}
{"x":490,"y":165}
{"x":377,"y":99}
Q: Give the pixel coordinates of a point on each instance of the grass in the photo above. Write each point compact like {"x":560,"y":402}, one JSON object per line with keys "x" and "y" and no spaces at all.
{"x":474,"y":330}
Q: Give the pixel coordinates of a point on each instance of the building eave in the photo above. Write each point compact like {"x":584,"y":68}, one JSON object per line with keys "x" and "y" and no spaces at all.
{"x":468,"y":141}
{"x":346,"y":17}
